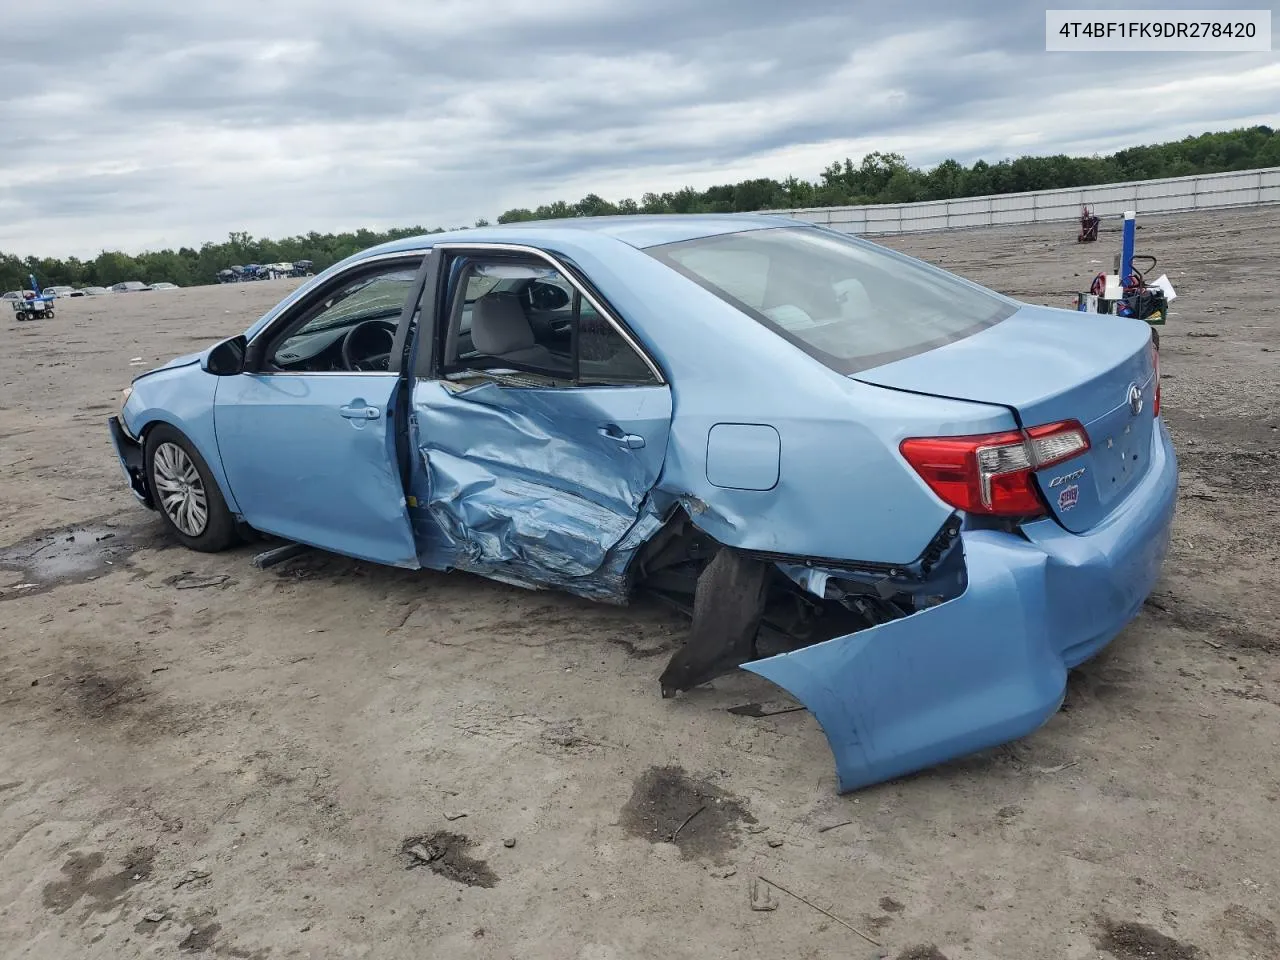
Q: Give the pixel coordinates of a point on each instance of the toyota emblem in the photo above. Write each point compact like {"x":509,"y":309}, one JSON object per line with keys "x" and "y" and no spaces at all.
{"x":1135,"y":399}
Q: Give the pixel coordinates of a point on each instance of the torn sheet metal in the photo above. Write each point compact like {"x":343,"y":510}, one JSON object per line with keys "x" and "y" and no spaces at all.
{"x":495,"y":518}
{"x":515,"y":531}
{"x":938,"y":574}
{"x":533,"y":487}
{"x":970,"y":673}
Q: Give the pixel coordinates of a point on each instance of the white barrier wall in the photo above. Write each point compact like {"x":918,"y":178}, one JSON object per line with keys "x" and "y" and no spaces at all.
{"x":1175,"y":195}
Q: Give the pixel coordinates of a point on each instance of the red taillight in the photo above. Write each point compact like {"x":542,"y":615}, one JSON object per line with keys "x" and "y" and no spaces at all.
{"x":992,"y":473}
{"x":1155,"y":363}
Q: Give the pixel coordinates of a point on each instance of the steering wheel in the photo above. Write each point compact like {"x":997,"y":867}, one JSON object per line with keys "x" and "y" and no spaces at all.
{"x":367,"y":346}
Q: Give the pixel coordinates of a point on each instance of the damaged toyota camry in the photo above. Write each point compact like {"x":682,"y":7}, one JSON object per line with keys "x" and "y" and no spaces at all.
{"x":911,"y":502}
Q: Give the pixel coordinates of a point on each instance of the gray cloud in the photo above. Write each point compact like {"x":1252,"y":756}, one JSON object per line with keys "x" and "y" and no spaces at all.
{"x":143,"y":123}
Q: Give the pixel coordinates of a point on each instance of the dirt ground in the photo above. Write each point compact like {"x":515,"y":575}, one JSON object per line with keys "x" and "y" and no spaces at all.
{"x":331,"y":759}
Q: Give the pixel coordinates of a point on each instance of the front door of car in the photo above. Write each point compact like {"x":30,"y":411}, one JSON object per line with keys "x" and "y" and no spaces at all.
{"x":306,"y":434}
{"x":541,"y":427}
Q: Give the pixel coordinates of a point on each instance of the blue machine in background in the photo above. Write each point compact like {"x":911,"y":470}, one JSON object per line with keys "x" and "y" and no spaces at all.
{"x":34,"y":304}
{"x":1127,"y":293}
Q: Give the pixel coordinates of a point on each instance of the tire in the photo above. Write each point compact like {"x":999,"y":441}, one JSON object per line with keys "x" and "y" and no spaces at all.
{"x":195,"y":500}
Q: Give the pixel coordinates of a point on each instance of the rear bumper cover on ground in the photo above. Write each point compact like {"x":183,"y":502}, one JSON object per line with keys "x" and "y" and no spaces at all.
{"x":989,"y":666}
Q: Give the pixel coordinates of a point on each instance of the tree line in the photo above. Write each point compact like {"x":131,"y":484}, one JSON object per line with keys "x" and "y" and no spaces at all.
{"x":877,"y":178}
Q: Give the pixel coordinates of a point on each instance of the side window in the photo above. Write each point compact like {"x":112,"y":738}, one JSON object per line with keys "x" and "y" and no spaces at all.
{"x":603,"y":356}
{"x":318,"y":342}
{"x":526,"y":318}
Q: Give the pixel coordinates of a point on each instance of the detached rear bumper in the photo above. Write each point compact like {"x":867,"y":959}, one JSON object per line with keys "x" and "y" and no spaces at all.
{"x":991,"y":665}
{"x":129,"y":451}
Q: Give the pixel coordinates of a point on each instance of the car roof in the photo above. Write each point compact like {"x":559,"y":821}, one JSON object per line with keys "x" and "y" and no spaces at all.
{"x":639,"y":231}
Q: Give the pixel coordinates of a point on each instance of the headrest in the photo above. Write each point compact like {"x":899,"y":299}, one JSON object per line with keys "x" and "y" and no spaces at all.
{"x":498,"y":325}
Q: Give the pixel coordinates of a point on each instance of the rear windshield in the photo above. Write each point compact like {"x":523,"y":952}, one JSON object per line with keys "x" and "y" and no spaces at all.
{"x":849,"y":303}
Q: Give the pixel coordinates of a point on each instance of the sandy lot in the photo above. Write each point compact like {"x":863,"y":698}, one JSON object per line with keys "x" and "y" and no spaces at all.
{"x":198,"y":757}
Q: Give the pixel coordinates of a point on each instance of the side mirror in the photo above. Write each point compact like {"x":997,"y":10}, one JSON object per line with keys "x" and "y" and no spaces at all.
{"x":226,"y":359}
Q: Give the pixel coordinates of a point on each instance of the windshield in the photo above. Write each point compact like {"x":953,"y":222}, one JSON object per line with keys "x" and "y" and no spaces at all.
{"x":849,"y":303}
{"x":380,"y":295}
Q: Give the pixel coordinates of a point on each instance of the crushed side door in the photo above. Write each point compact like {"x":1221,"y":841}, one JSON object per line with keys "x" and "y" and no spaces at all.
{"x":539,"y":486}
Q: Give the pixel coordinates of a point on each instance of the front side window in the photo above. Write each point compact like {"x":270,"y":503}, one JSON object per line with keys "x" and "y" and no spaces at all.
{"x":513,"y":316}
{"x":848,"y":303}
{"x":361,"y":316}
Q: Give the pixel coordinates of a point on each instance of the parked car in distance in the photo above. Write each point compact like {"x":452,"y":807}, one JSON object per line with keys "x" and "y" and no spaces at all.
{"x":59,"y":291}
{"x":11,"y":295}
{"x":90,"y":292}
{"x":163,"y":285}
{"x":911,"y":502}
{"x":129,"y":286}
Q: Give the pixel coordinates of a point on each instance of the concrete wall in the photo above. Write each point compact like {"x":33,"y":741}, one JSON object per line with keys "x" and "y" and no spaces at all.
{"x":1174,"y":195}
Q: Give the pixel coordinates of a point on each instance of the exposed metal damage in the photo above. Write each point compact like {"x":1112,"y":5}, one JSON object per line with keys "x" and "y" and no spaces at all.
{"x":745,"y":605}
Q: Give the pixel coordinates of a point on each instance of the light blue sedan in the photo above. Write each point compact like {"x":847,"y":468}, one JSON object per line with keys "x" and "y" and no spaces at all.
{"x":911,"y":502}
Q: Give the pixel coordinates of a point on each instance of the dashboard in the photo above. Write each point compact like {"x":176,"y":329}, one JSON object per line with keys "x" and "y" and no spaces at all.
{"x":364,"y":346}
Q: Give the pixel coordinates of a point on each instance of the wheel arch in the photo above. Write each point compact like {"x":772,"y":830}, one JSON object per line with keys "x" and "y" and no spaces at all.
{"x":199,"y":436}
{"x":182,"y":396}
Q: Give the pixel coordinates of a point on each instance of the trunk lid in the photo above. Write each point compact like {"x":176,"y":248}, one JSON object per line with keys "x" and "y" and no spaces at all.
{"x":1049,"y":365}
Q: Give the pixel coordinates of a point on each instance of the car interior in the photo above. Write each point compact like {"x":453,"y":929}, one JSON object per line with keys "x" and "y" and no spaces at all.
{"x":530,"y":319}
{"x":352,"y":330}
{"x":504,"y":319}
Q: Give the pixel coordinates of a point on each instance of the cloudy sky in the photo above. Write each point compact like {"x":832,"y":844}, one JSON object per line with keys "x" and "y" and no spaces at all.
{"x":137,"y":124}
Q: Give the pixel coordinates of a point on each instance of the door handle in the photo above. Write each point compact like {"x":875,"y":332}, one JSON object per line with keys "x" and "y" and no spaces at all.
{"x":357,"y":410}
{"x":632,"y":441}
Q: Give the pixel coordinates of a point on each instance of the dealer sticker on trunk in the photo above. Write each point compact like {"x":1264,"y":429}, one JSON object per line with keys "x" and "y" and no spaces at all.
{"x":1069,"y":497}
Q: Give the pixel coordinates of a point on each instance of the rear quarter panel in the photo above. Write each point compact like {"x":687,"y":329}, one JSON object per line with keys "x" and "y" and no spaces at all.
{"x":843,"y":491}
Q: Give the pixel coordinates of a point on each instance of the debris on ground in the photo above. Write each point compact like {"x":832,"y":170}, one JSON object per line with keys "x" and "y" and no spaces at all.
{"x":189,"y":580}
{"x":445,"y":854}
{"x":669,"y":806}
{"x":1137,"y":941}
{"x":833,"y":826}
{"x":199,"y":939}
{"x":192,"y":876}
{"x":1059,"y":768}
{"x":826,"y":913}
{"x":761,"y":898}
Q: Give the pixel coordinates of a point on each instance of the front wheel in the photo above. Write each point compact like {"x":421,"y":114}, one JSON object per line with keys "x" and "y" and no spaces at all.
{"x":185,"y":493}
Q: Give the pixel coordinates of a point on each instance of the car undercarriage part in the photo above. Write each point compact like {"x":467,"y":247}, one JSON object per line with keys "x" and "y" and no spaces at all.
{"x":747,"y":605}
{"x":269,"y":558}
{"x":728,"y":606}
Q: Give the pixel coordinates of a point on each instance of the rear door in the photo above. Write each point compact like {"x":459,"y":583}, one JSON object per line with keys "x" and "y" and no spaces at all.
{"x":1049,"y":366}
{"x":540,"y":425}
